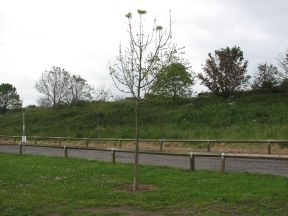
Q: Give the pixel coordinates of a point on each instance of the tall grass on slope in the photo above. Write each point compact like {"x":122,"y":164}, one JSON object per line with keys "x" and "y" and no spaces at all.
{"x":257,"y":116}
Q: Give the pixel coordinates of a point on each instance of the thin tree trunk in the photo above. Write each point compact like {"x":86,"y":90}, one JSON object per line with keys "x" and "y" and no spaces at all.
{"x":136,"y":154}
{"x":137,"y":112}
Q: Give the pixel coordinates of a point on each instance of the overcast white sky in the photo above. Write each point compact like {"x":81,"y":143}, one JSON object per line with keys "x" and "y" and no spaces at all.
{"x":83,"y":36}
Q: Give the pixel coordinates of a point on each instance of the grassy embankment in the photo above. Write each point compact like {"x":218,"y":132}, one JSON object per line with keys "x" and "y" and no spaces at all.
{"x":34,"y":185}
{"x":258,"y":116}
{"x":254,"y":116}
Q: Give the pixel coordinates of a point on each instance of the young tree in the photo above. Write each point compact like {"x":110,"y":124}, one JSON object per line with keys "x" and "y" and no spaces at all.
{"x":266,"y":78}
{"x":173,"y":81}
{"x":225,"y":72}
{"x":53,"y":85}
{"x":9,"y":98}
{"x":138,"y":65}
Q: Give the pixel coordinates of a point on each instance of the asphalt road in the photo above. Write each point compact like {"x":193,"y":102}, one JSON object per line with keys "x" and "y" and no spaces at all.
{"x":232,"y":165}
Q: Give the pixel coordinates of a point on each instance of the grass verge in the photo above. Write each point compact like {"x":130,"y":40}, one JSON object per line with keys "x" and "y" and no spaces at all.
{"x":34,"y":185}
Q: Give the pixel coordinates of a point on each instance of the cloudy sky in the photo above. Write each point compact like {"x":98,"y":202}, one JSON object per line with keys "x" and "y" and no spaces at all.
{"x":83,"y":36}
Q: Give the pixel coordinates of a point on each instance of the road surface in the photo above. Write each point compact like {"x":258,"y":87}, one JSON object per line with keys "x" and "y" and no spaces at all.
{"x":232,"y":164}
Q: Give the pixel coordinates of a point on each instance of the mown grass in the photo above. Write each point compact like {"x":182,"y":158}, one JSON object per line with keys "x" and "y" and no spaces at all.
{"x":255,"y":116}
{"x":34,"y":185}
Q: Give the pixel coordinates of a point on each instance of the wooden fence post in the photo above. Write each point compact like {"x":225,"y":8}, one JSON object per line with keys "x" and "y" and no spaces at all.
{"x":60,"y":140}
{"x":269,"y":147}
{"x":223,"y":162}
{"x":209,"y":146}
{"x":35,"y":140}
{"x":65,"y":152}
{"x":87,"y":142}
{"x":161,"y":145}
{"x":14,"y":140}
{"x":113,"y":156}
{"x":120,"y":143}
{"x":192,"y":161}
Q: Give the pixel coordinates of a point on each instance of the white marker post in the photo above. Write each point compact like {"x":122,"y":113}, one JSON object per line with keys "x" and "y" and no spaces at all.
{"x":23,"y":141}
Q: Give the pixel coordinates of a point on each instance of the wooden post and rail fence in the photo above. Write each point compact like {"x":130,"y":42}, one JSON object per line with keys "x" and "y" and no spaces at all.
{"x":161,"y":142}
{"x":192,"y":155}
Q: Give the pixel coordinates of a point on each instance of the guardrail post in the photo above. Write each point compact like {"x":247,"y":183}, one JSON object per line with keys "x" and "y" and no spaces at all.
{"x":20,"y":149}
{"x":65,"y":152}
{"x":161,"y":145}
{"x":223,"y":162}
{"x":113,"y":156}
{"x":192,"y":161}
{"x":209,"y":146}
{"x":269,"y":147}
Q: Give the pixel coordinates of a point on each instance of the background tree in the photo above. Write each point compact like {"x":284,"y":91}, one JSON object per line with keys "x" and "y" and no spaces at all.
{"x":173,"y":81}
{"x":9,"y":98}
{"x":138,"y":65}
{"x":77,"y":90}
{"x":53,"y":85}
{"x":283,"y":63}
{"x":266,"y":77}
{"x":58,"y":86}
{"x":225,"y":72}
{"x":101,"y":93}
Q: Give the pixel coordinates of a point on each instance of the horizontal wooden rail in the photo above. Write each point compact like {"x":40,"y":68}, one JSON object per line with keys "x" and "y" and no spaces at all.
{"x":161,"y":142}
{"x":152,"y":140}
{"x":195,"y":154}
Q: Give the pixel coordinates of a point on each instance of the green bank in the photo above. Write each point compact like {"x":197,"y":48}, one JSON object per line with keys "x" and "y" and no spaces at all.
{"x":246,"y":116}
